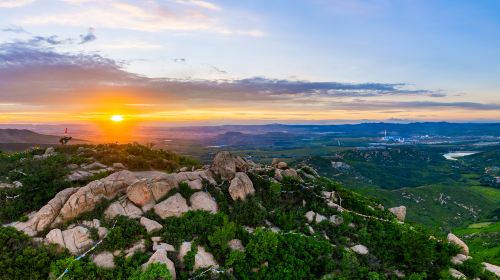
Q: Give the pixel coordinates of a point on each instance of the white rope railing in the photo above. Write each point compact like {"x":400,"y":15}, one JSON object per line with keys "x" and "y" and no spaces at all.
{"x":66,"y":270}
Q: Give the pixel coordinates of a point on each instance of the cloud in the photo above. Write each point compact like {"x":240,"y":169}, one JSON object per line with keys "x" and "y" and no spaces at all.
{"x":14,"y":29}
{"x":34,"y":74}
{"x":201,"y":4}
{"x":89,"y":37}
{"x":14,"y":3}
{"x":217,"y":69}
{"x":51,"y":40}
{"x":150,"y":16}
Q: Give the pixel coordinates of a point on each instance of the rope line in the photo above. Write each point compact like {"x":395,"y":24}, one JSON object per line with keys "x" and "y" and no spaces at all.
{"x":85,"y":253}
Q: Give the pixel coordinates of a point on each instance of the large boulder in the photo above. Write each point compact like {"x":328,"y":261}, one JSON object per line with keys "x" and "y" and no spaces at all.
{"x":241,"y":186}
{"x":162,"y":185}
{"x":457,"y":274}
{"x":224,"y":165}
{"x":242,"y":165}
{"x":87,"y":197}
{"x":123,"y":207}
{"x":202,"y":259}
{"x":290,"y":172}
{"x":160,"y":256}
{"x":495,"y":269}
{"x":47,"y":214}
{"x":55,"y":236}
{"x":150,"y":225}
{"x":104,"y":260}
{"x":282,"y":165}
{"x":75,"y":239}
{"x":174,"y":206}
{"x":399,"y":212}
{"x":140,"y":194}
{"x":203,"y":201}
{"x":453,"y":239}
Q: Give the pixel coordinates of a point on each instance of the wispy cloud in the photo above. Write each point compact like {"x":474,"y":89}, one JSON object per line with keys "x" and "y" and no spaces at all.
{"x":89,"y":37}
{"x":151,"y":16}
{"x":14,"y":29}
{"x":14,"y":3}
{"x":201,"y":4}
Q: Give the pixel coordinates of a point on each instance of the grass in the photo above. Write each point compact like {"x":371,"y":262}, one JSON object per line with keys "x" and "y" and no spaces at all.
{"x":489,"y":193}
{"x":483,"y":240}
{"x":480,"y":225}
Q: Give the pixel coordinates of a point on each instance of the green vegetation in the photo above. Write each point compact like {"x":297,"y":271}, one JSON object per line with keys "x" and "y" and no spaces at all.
{"x":482,"y":239}
{"x":41,"y":180}
{"x":126,"y":231}
{"x":21,"y":258}
{"x":155,"y":271}
{"x":135,"y":156}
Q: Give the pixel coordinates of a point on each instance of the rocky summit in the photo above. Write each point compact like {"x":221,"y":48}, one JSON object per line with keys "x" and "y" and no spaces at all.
{"x":232,"y":219}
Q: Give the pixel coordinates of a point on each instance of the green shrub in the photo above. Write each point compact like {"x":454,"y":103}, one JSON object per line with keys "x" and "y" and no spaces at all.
{"x":20,"y":258}
{"x":155,"y":271}
{"x":126,"y":232}
{"x":249,"y":212}
{"x":41,"y":179}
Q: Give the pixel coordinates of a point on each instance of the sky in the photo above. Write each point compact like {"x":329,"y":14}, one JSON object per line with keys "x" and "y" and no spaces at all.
{"x":186,"y":62}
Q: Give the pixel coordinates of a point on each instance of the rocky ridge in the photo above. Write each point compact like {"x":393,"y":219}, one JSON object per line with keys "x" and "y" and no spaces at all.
{"x":135,"y":193}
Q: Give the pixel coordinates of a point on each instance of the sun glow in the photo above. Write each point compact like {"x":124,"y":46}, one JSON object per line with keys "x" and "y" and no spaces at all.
{"x":116,"y":118}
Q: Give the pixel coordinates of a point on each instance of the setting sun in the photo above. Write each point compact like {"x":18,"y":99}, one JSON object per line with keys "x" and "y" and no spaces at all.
{"x":117,"y":118}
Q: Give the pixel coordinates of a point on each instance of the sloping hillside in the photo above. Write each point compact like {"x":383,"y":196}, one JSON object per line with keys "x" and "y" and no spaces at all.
{"x":232,"y":220}
{"x":26,"y":136}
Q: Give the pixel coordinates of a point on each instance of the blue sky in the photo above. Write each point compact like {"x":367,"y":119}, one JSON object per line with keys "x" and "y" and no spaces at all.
{"x":448,"y":49}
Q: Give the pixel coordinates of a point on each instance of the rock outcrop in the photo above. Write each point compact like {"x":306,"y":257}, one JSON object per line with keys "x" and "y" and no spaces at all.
{"x":74,"y":239}
{"x":457,"y":241}
{"x":47,"y":214}
{"x":241,"y":186}
{"x":173,"y":206}
{"x":87,"y":197}
{"x":457,"y":274}
{"x":224,"y":165}
{"x":399,"y":212}
{"x":104,"y":260}
{"x":141,"y":195}
{"x":360,"y":249}
{"x":495,"y":269}
{"x":202,"y":259}
{"x":203,"y":201}
{"x":123,"y":207}
{"x":160,"y":256}
{"x":150,"y":225}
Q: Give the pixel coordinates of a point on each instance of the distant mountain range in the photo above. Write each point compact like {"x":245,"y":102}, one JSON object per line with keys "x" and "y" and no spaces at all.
{"x":21,"y":139}
{"x":26,"y":136}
